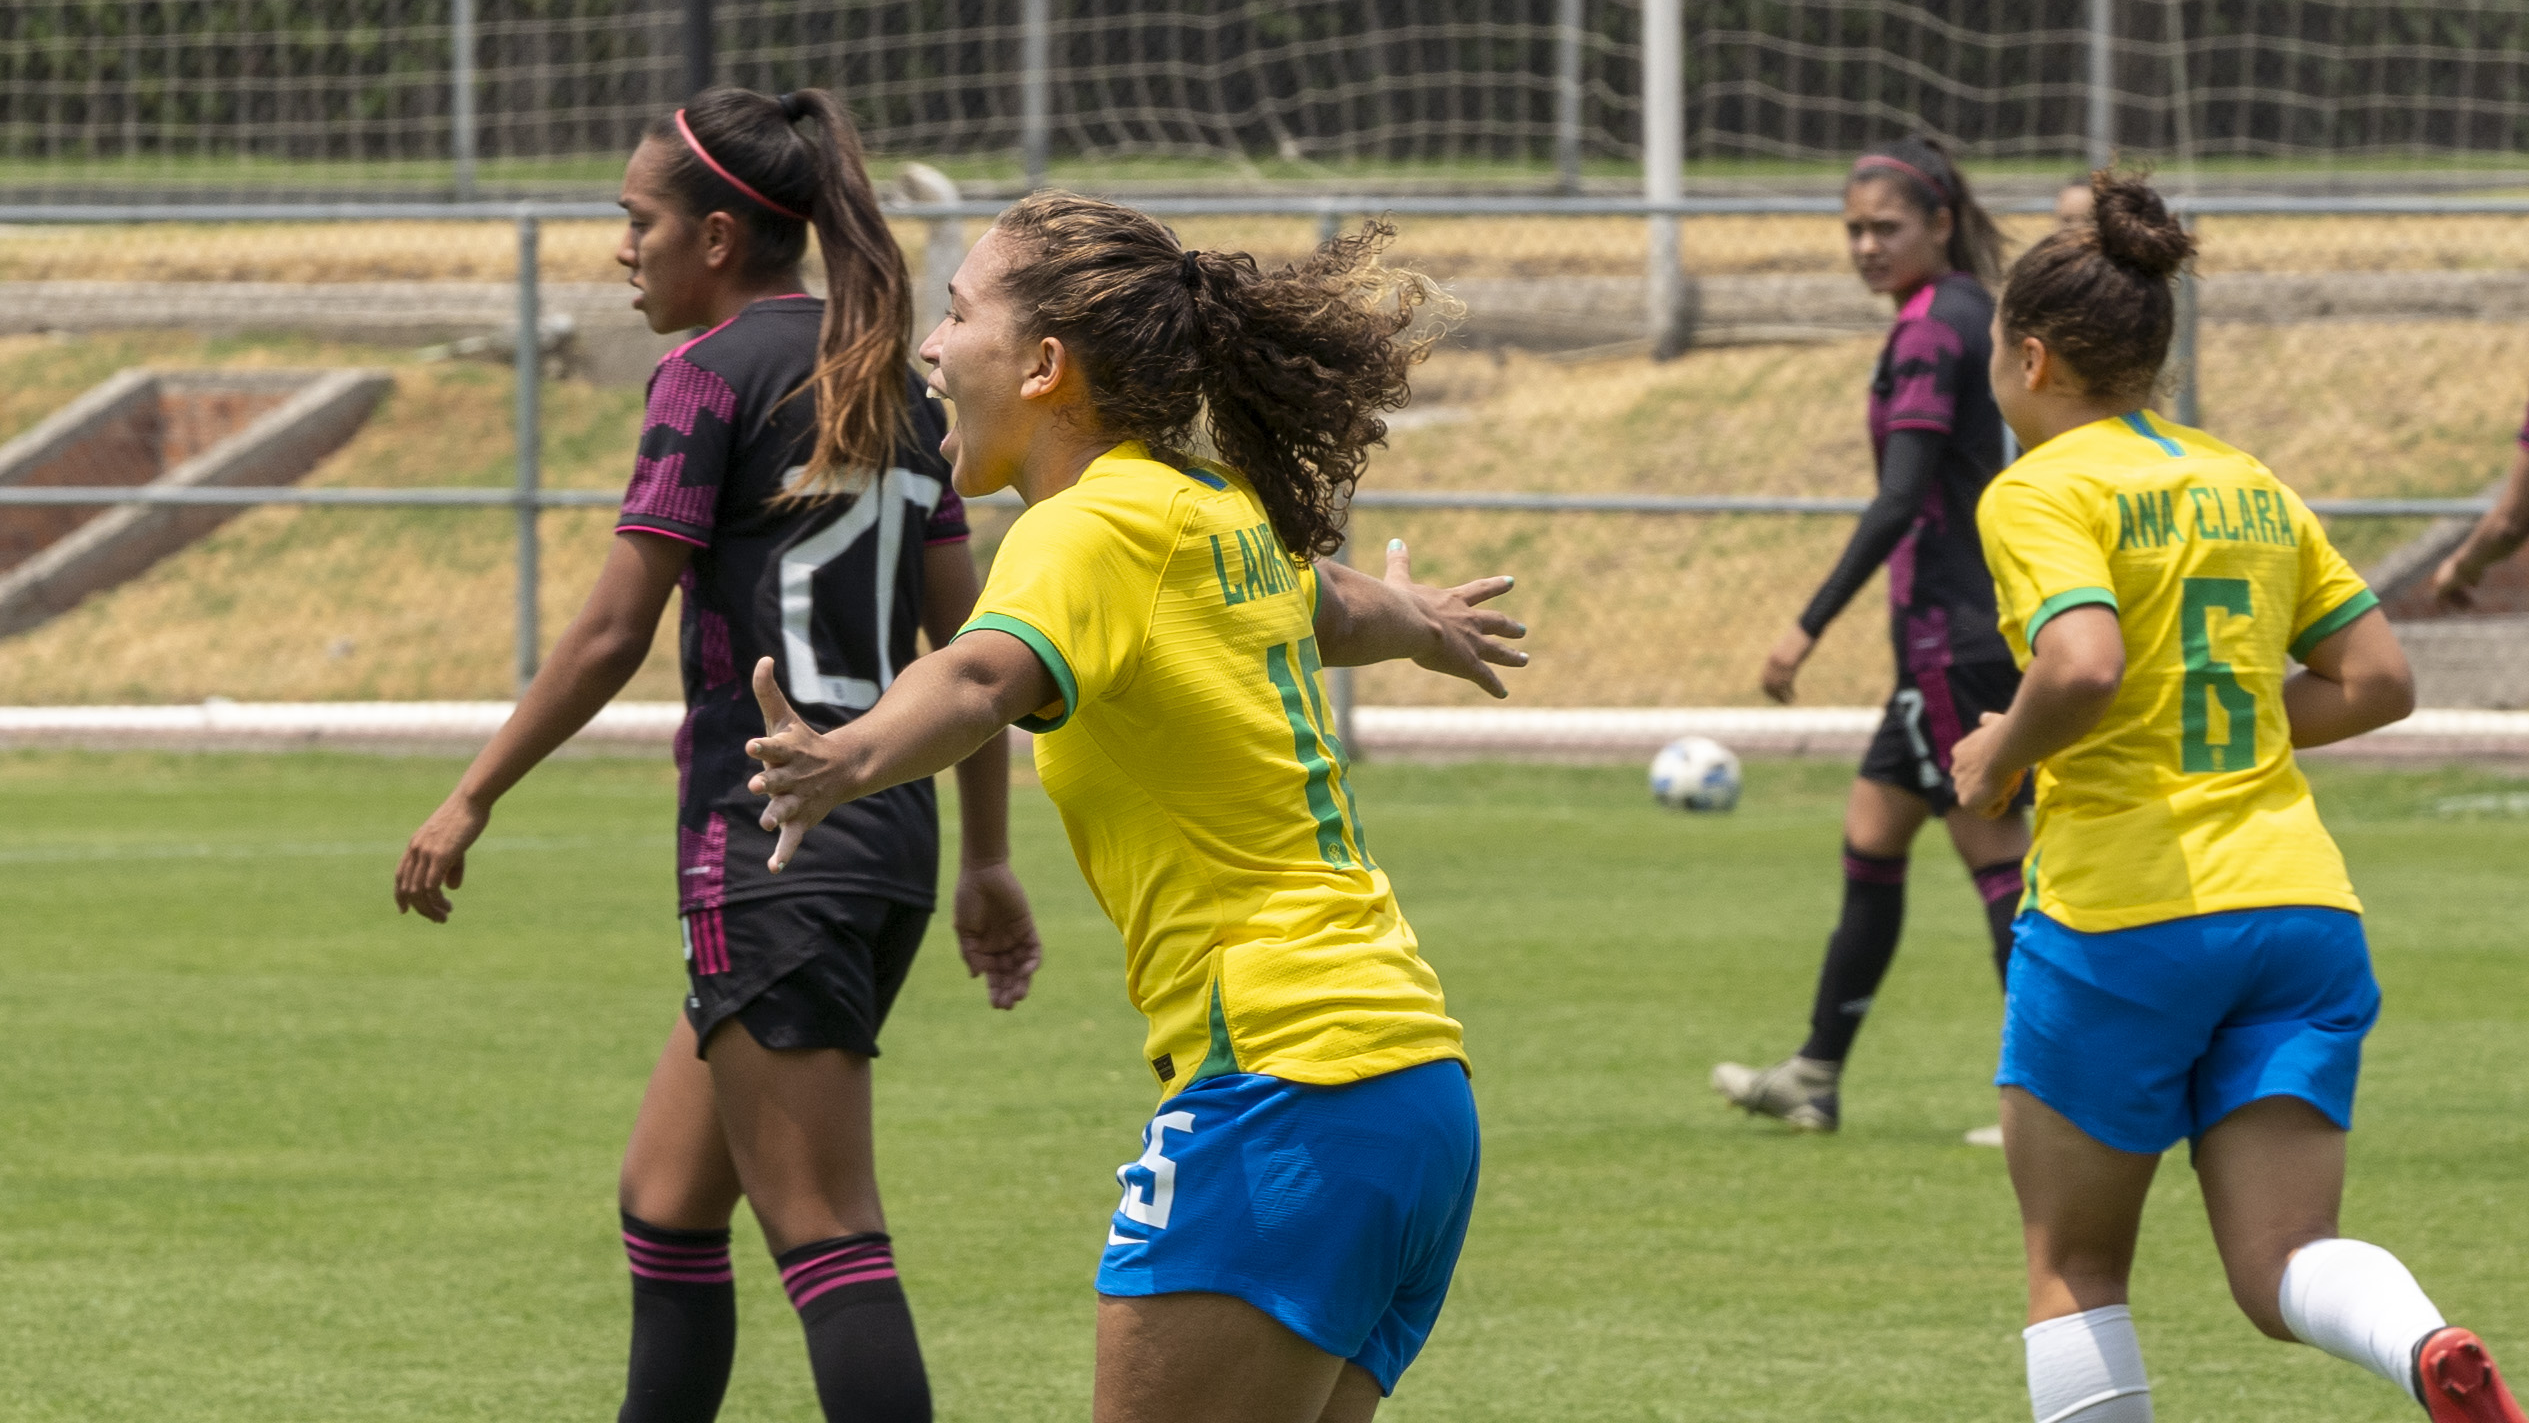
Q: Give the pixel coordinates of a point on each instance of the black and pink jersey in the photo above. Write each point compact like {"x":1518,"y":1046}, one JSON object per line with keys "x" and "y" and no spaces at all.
{"x":830,"y":590}
{"x":1933,"y":376}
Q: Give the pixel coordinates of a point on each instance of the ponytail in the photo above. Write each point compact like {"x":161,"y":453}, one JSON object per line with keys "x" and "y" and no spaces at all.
{"x":1922,"y":169}
{"x":740,"y":152}
{"x":1286,"y":372}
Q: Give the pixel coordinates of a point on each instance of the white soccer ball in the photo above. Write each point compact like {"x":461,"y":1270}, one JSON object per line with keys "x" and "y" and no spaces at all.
{"x":1695,"y":773}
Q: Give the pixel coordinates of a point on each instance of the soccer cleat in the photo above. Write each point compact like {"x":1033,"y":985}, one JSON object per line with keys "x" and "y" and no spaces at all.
{"x":2458,"y":1380}
{"x":1795,"y":1091}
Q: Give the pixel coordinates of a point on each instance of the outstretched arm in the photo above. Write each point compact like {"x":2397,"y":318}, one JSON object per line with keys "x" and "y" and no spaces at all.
{"x":2355,"y":681}
{"x":941,"y":711}
{"x":595,"y":656}
{"x":1361,"y":620}
{"x":1906,"y":475}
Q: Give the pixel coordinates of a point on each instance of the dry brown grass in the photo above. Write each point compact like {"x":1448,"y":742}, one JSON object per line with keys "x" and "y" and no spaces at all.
{"x":1447,"y":247}
{"x":1624,"y":610}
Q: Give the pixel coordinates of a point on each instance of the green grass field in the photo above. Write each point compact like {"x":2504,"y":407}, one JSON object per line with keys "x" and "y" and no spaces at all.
{"x":274,"y":1153}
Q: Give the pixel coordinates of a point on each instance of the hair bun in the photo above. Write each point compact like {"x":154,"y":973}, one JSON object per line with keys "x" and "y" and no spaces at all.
{"x":2134,"y":226}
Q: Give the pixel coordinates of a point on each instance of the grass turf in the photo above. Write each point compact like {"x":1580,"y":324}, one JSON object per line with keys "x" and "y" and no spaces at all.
{"x":275,"y":1152}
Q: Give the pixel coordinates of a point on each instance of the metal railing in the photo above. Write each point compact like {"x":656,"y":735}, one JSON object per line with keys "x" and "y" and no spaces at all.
{"x":529,"y":498}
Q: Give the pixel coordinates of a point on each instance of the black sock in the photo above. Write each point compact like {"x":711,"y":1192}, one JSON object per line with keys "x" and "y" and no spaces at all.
{"x":684,"y":1323}
{"x":860,"y":1330}
{"x":2000,"y":884}
{"x":1858,"y":953}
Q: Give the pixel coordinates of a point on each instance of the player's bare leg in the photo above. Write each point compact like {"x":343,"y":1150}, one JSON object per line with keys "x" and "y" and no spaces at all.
{"x":2081,"y":1206}
{"x":2273,"y":1174}
{"x":1169,"y":1358}
{"x":677,"y":1190}
{"x":798,"y":1128}
{"x":676,"y":1169}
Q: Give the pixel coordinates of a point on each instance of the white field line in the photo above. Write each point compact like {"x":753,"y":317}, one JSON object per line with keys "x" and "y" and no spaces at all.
{"x":1424,"y":730}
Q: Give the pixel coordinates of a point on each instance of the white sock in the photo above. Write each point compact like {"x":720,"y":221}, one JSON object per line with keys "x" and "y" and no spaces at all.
{"x":2355,"y":1301}
{"x":2087,"y":1368}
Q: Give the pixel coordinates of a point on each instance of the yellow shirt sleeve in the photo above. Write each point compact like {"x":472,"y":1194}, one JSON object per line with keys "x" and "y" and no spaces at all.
{"x":2045,"y":558}
{"x":1076,"y":580}
{"x":2332,"y":594}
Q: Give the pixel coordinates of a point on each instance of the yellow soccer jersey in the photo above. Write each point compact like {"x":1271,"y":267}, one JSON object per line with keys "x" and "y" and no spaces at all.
{"x":2185,"y":798}
{"x":1202,"y":786}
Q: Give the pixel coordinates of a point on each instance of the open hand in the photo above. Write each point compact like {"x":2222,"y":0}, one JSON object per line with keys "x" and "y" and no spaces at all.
{"x":434,"y":860}
{"x":1782,"y":663}
{"x":1467,"y":634}
{"x":996,"y":932}
{"x":796,"y":769}
{"x":1972,"y":772}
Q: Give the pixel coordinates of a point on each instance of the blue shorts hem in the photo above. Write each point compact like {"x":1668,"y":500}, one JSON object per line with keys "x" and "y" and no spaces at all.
{"x":1294,"y":1315}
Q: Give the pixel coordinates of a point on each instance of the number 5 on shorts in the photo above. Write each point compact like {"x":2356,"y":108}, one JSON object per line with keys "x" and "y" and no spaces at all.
{"x":2207,"y":680}
{"x":1152,"y":1209}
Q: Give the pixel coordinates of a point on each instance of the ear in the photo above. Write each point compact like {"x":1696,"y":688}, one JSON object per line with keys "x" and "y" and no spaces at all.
{"x":1943,"y":224}
{"x":1048,"y":370}
{"x":719,"y":241}
{"x":2037,"y":365}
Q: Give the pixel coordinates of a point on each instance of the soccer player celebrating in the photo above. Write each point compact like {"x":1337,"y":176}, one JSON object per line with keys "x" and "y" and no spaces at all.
{"x":2191,"y":964}
{"x":1159,"y":619}
{"x":1917,"y":236}
{"x":788,"y":484}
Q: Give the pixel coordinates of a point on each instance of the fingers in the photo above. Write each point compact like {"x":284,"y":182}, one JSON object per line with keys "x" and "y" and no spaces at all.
{"x":1483,"y":590}
{"x":1400,"y":563}
{"x":793,"y":831}
{"x":1499,"y":655}
{"x":769,"y":699}
{"x":1493,"y":624}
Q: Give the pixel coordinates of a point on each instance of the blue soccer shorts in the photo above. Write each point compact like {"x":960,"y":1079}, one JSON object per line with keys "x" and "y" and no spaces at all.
{"x":1337,"y":1210}
{"x":2148,"y":1036}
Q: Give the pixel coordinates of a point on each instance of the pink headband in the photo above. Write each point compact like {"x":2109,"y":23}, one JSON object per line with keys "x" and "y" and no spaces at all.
{"x":1867,"y":160}
{"x":733,"y":179}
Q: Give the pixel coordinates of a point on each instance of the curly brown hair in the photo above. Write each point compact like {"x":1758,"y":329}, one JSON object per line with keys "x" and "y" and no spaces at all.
{"x":2098,"y":295}
{"x":1285,"y":371}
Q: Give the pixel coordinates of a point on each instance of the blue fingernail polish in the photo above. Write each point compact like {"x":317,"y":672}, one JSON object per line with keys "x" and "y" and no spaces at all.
{"x":1396,"y":545}
{"x":1510,"y":581}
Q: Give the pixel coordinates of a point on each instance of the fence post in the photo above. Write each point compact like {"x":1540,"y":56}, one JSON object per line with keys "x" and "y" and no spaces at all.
{"x":1663,"y":164}
{"x":530,"y":363}
{"x":2190,"y":402}
{"x":1339,"y":683}
{"x":700,"y":64}
{"x":1567,"y":97}
{"x":1036,"y":57}
{"x":2102,"y":83}
{"x":461,"y":96}
{"x":943,"y":243}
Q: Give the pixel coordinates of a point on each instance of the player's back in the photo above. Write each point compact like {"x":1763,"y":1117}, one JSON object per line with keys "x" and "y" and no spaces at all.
{"x":2219,"y":578}
{"x":1200,"y":779}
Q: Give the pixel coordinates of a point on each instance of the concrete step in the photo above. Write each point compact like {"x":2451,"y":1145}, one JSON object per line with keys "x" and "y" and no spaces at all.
{"x":170,"y":428}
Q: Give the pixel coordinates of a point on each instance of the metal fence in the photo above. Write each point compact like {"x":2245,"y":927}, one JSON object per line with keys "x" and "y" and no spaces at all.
{"x":1494,"y":515}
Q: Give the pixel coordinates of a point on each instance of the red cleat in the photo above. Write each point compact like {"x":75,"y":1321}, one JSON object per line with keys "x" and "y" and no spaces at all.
{"x":2459,"y":1381}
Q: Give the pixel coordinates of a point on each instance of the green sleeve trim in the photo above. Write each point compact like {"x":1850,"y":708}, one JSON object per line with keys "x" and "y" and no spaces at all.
{"x":2063,"y":603}
{"x":2333,"y":623}
{"x":1046,"y":653}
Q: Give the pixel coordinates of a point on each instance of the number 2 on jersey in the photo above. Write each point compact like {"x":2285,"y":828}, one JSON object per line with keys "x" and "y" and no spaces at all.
{"x":2208,"y":680}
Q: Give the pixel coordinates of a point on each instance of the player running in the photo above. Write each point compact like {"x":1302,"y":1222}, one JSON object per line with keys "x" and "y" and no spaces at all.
{"x":1288,"y":1231}
{"x":2191,"y":964}
{"x":788,"y":485}
{"x":1918,"y":236}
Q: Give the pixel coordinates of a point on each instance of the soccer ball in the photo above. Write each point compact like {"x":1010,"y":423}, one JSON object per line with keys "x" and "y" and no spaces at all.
{"x":1695,"y":773}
